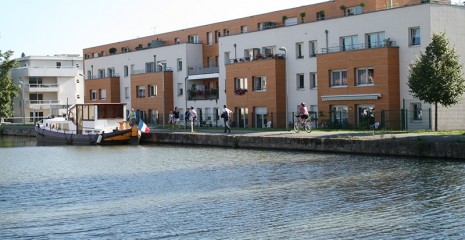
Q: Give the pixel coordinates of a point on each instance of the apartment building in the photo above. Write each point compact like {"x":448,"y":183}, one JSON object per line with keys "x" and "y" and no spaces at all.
{"x":348,"y":61}
{"x":48,"y":84}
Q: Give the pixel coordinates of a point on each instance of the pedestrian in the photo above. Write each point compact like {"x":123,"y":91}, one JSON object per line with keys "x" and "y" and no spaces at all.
{"x":226,"y":115}
{"x":193,"y":117}
{"x":187,"y":116}
{"x":176,"y":118}
{"x":132,"y":117}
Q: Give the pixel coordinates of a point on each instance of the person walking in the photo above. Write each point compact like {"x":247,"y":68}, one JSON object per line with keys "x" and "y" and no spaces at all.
{"x":193,"y":117}
{"x":176,"y":118}
{"x":226,"y":115}
{"x":187,"y":116}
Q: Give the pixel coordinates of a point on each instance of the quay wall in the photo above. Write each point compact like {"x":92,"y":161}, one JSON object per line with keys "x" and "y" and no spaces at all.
{"x":389,"y":147}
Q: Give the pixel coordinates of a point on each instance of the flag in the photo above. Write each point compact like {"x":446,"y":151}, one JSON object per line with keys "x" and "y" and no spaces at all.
{"x":143,"y":127}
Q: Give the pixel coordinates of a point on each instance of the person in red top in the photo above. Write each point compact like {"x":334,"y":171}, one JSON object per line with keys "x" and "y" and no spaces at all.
{"x":303,"y":112}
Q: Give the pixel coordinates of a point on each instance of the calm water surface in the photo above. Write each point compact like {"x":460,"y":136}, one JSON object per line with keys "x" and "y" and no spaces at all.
{"x":174,"y":192}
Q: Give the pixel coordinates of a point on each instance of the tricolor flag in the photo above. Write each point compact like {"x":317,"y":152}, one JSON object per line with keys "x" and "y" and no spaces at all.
{"x":143,"y":127}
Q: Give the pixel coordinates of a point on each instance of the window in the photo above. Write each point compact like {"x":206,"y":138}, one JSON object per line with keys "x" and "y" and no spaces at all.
{"x":101,"y":73}
{"x":338,"y":78}
{"x":58,"y":64}
{"x":180,"y":89}
{"x":162,"y":67}
{"x":365,"y":76}
{"x":217,"y":36}
{"x":103,"y":94}
{"x":125,"y":49}
{"x":126,"y":92}
{"x":140,"y":91}
{"x":89,"y":74}
{"x":290,"y":21}
{"x":300,"y":81}
{"x":241,"y":83}
{"x":153,"y":90}
{"x":111,"y":72}
{"x":298,"y":50}
{"x":177,"y":41}
{"x":126,"y":70}
{"x":417,"y":112}
{"x":375,"y":40}
{"x":414,"y":36}
{"x":313,"y":48}
{"x":149,"y":67}
{"x":179,"y":64}
{"x":313,"y":80}
{"x":35,"y":81}
{"x":93,"y":94}
{"x":266,"y":25}
{"x":353,"y":11}
{"x":259,"y":83}
{"x":349,"y":43}
{"x":193,"y":39}
{"x":244,"y":29}
{"x":210,"y":38}
{"x":225,"y":32}
{"x":339,"y":114}
{"x":320,"y":15}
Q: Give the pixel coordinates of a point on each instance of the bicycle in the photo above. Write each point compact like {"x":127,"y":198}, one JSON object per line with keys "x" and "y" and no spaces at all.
{"x":306,"y":125}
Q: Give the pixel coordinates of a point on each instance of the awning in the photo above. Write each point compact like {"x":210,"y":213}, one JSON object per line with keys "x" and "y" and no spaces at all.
{"x":351,"y":97}
{"x":203,"y":76}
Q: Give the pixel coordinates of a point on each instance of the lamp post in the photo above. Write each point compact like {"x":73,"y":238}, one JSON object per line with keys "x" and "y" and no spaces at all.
{"x":285,"y":55}
{"x":163,"y":91}
{"x":22,"y":102}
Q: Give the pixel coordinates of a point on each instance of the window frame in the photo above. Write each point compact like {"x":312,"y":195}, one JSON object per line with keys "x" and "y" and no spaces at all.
{"x":259,"y":83}
{"x":153,"y":90}
{"x":313,"y":80}
{"x":365,"y":81}
{"x":300,"y":81}
{"x":332,"y":80}
{"x":140,"y":91}
{"x":240,"y":83}
{"x":413,"y":32}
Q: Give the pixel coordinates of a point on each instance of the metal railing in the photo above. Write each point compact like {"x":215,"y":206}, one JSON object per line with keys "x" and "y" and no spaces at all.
{"x":353,"y":47}
{"x":202,"y":69}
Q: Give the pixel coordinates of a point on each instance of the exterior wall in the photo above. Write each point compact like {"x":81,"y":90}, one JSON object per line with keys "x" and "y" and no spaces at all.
{"x":395,"y":21}
{"x":61,"y":85}
{"x":160,"y":104}
{"x":111,"y":85}
{"x":273,"y":98}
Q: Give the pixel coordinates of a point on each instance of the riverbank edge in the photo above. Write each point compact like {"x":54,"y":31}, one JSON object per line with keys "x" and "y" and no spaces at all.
{"x":388,"y":147}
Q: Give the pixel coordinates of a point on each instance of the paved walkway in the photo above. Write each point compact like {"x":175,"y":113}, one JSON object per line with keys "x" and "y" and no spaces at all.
{"x":361,"y":135}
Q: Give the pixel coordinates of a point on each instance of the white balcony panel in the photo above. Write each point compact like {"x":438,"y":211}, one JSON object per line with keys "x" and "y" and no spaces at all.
{"x":52,"y":72}
{"x":41,"y":88}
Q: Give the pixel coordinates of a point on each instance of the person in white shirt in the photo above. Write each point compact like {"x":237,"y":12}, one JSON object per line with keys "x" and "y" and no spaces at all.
{"x":193,"y":115}
{"x":226,"y":115}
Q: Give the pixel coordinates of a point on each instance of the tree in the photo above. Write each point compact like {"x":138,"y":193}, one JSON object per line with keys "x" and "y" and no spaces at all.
{"x":8,"y":90}
{"x":436,"y":77}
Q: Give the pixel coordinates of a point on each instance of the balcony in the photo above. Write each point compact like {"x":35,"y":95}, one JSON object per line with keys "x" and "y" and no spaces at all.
{"x":52,"y":71}
{"x":207,"y":94}
{"x":386,"y":43}
{"x":199,"y":70}
{"x":41,"y":88}
{"x":40,"y":104}
{"x":101,"y":76}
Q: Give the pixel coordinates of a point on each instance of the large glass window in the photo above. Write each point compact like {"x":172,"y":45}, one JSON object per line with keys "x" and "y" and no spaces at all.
{"x":375,"y":40}
{"x":338,"y":78}
{"x":365,"y":76}
{"x":349,"y":43}
{"x":101,"y":73}
{"x":259,"y":83}
{"x":339,"y":114}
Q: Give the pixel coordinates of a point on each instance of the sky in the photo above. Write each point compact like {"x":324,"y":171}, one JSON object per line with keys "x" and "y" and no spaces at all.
{"x":49,"y":27}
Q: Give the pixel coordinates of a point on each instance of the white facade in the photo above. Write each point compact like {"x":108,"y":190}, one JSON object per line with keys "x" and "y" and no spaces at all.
{"x":48,"y":84}
{"x":395,"y":24}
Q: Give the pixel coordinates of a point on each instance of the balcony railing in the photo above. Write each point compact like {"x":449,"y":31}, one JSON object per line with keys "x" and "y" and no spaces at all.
{"x":41,"y":102}
{"x":197,"y":70}
{"x":353,"y":47}
{"x":207,"y":94}
{"x":144,"y":71}
{"x":101,"y":76}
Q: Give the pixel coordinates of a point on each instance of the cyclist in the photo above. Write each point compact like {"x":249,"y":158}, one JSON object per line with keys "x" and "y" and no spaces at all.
{"x":303,"y":112}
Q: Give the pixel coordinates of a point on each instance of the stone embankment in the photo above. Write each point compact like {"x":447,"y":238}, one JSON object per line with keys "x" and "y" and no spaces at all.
{"x":374,"y":143}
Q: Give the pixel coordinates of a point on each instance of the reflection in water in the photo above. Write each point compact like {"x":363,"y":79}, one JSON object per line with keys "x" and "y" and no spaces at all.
{"x":152,"y":191}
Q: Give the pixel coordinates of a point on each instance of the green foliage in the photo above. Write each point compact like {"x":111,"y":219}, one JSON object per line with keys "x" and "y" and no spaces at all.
{"x":8,"y":90}
{"x":436,"y":77}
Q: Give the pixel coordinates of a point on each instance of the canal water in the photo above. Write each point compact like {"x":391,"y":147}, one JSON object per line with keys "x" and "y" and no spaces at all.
{"x":190,"y":192}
